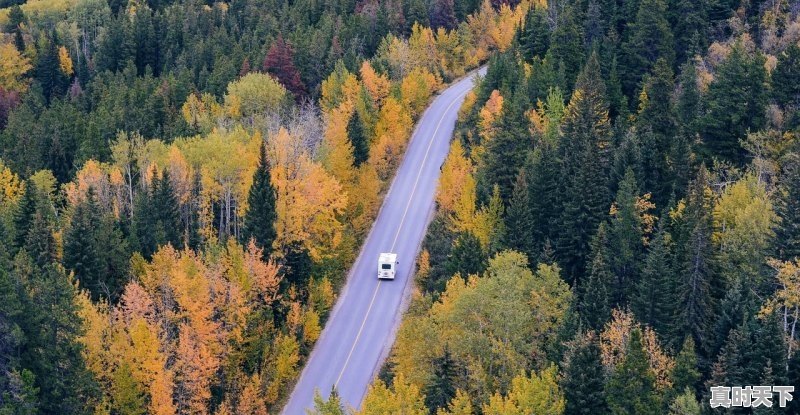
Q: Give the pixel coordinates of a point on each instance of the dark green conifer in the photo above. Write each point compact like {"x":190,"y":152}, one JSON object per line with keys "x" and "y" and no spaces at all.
{"x":259,"y":221}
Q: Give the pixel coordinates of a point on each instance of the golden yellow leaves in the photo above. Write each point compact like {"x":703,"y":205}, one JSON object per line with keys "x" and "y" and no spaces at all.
{"x":174,"y":330}
{"x":13,"y":66}
{"x":11,"y":188}
{"x":65,"y":61}
{"x":378,"y":85}
{"x":614,"y":343}
{"x":401,"y":398}
{"x":309,"y":199}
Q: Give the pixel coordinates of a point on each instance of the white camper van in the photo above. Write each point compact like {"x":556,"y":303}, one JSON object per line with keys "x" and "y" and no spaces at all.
{"x":387,"y":265}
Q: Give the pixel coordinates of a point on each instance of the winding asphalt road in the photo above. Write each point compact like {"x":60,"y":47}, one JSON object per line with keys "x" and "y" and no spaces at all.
{"x":363,"y":323}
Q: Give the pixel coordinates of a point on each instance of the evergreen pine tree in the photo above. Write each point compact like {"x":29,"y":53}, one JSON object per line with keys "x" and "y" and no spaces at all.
{"x":506,"y":152}
{"x":144,"y":225}
{"x":40,"y":243}
{"x":566,"y":44}
{"x":52,"y":351}
{"x":82,"y":250}
{"x":165,"y":204}
{"x":787,"y":206}
{"x":583,"y":379}
{"x":584,"y":151}
{"x":736,"y":103}
{"x":442,"y":14}
{"x":467,"y":256}
{"x":259,"y":220}
{"x":519,"y":219}
{"x":48,"y":71}
{"x":686,"y":374}
{"x":656,"y":115}
{"x":695,"y":305}
{"x":652,"y":299}
{"x":690,"y":26}
{"x":787,"y":76}
{"x":595,"y":303}
{"x":355,"y":131}
{"x":24,"y":213}
{"x":542,"y":172}
{"x":631,"y":387}
{"x":441,"y":388}
{"x":650,"y":38}
{"x":534,"y":37}
{"x":625,"y":240}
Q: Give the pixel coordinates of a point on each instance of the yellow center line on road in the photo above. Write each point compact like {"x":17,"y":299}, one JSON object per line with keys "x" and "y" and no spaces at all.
{"x":399,"y":228}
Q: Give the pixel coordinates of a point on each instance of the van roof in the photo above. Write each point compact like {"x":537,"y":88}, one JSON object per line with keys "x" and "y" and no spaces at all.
{"x":388,"y":257}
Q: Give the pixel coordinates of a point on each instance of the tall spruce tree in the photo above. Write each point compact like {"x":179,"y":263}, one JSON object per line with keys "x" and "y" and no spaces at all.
{"x":534,"y":36}
{"x":735,"y":104}
{"x":653,"y":297}
{"x":787,"y":206}
{"x":441,"y":387}
{"x":686,"y":373}
{"x":507,"y":151}
{"x":95,"y":249}
{"x":259,"y":221}
{"x":52,"y":352}
{"x":81,"y":244}
{"x":631,"y":388}
{"x":656,"y":114}
{"x":566,"y":44}
{"x":649,"y":39}
{"x":466,"y":258}
{"x":584,"y":151}
{"x":595,"y":300}
{"x":519,"y":219}
{"x":584,"y":378}
{"x":542,"y":171}
{"x":355,"y":132}
{"x":165,"y":205}
{"x":625,"y":240}
{"x":24,"y":213}
{"x":694,"y":255}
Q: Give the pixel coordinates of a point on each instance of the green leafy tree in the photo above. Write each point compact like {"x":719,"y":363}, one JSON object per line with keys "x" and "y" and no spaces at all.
{"x":128,"y":397}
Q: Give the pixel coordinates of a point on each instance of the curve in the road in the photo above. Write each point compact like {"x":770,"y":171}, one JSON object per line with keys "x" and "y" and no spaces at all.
{"x":362,"y":325}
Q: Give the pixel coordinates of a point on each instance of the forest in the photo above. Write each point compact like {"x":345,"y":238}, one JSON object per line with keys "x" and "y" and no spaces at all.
{"x":617,"y":225}
{"x":184,"y":184}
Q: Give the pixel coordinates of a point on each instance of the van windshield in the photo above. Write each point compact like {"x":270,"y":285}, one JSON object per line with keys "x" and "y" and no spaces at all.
{"x":386,"y":266}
